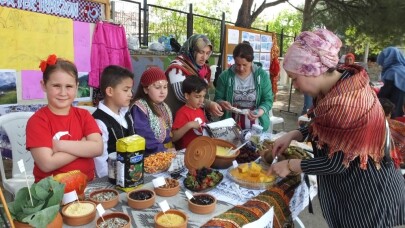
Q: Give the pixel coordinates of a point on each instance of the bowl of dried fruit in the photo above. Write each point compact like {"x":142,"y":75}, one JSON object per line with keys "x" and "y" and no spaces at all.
{"x":141,"y":198}
{"x":171,"y":188}
{"x":79,"y":213}
{"x":171,"y":218}
{"x":202,"y":203}
{"x":114,"y":219}
{"x":158,"y":162}
{"x":107,"y":197}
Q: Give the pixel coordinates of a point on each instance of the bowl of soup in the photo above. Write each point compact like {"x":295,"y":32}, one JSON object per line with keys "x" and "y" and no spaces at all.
{"x":223,"y":159}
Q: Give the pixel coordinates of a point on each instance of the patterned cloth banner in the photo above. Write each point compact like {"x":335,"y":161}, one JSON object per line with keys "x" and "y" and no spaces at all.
{"x":78,"y":10}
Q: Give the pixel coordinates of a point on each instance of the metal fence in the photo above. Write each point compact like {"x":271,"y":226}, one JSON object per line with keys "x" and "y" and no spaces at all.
{"x":153,"y":21}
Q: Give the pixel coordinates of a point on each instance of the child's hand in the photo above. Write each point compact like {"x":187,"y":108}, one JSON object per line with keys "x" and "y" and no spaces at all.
{"x":194,"y":125}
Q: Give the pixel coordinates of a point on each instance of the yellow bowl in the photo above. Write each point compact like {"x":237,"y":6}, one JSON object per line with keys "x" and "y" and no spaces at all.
{"x":79,"y":219}
{"x":224,"y":162}
{"x":171,"y":212}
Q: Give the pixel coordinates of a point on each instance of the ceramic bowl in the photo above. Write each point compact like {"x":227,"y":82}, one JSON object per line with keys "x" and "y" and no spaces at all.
{"x":199,"y":204}
{"x":72,"y":216}
{"x":102,"y":198}
{"x":113,"y":215}
{"x":145,"y":198}
{"x":224,"y":162}
{"x":166,"y":223}
{"x":171,"y":188}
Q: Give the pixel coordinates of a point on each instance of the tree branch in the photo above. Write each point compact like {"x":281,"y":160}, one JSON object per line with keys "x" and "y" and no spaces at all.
{"x":296,"y":8}
{"x":263,"y":6}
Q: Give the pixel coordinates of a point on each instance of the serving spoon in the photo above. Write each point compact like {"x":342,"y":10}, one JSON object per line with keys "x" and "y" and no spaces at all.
{"x":231,"y":152}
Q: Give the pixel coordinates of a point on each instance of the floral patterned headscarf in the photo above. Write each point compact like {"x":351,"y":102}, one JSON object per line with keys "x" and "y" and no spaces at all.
{"x":195,"y":43}
{"x":313,"y":53}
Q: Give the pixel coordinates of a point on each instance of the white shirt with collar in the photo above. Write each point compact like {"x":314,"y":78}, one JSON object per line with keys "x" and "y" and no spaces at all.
{"x":100,"y":162}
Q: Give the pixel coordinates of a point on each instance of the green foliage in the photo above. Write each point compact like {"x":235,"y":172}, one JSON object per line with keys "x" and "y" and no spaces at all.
{"x":165,"y":22}
{"x":290,"y":23}
{"x":378,"y":22}
{"x":46,"y":197}
{"x":357,"y":41}
{"x":9,"y":97}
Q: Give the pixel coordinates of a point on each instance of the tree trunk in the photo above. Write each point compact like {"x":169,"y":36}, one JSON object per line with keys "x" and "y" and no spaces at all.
{"x":365,"y":59}
{"x":244,"y":19}
{"x":307,"y":16}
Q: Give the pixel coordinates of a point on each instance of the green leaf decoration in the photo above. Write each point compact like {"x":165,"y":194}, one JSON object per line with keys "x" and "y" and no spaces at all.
{"x":46,"y":197}
{"x":42,"y":218}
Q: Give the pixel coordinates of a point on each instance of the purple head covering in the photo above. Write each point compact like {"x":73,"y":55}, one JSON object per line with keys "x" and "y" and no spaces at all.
{"x":313,"y":53}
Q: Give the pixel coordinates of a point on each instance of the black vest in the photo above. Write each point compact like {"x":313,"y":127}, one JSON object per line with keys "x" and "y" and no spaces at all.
{"x":115,"y":130}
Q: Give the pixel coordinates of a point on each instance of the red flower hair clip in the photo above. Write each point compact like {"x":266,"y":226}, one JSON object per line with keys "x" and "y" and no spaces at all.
{"x":50,"y":61}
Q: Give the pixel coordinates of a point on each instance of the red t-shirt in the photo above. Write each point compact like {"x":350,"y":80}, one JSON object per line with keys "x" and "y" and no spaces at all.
{"x":184,"y":115}
{"x":44,"y":124}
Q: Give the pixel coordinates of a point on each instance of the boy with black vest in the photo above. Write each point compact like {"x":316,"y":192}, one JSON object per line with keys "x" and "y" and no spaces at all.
{"x":112,"y":114}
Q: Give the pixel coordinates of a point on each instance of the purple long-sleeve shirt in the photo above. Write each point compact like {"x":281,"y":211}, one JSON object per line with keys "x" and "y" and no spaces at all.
{"x":142,"y":128}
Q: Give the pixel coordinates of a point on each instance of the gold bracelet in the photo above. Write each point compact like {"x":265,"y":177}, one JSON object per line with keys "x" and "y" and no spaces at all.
{"x":289,"y":168}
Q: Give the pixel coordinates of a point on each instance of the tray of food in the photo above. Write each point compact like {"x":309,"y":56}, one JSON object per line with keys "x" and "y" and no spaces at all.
{"x":291,"y":152}
{"x":202,"y":180}
{"x":251,"y":175}
{"x":158,"y":162}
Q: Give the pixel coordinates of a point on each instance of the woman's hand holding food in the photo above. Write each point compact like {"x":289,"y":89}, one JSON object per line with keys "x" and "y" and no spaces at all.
{"x":281,"y":144}
{"x":215,"y":108}
{"x":226,"y":105}
{"x":254,"y":114}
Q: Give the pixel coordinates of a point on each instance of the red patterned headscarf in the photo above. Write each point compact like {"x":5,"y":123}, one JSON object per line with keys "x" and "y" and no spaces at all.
{"x":397,"y":130}
{"x":349,"y":118}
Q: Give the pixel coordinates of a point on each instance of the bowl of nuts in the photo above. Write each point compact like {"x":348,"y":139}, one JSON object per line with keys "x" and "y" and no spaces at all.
{"x":107,"y":197}
{"x":171,"y":188}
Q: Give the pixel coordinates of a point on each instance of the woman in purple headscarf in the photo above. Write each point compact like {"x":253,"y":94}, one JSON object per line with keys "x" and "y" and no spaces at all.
{"x":359,"y":183}
{"x":393,"y":76}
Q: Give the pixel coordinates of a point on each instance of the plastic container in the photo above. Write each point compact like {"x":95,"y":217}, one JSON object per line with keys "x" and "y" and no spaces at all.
{"x":130,"y":152}
{"x":112,"y":168}
{"x":256,"y":129}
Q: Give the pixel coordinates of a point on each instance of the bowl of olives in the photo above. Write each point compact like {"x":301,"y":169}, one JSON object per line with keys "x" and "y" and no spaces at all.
{"x":202,"y":203}
{"x":141,"y":198}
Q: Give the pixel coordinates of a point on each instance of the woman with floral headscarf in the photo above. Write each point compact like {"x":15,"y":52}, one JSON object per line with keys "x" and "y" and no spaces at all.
{"x":359,"y":184}
{"x":192,"y":60}
{"x":393,"y":76}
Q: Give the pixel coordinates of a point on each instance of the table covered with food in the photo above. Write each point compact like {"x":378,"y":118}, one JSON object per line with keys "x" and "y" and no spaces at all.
{"x":204,"y":187}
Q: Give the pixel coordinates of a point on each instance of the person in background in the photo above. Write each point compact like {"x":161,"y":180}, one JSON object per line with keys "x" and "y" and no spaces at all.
{"x":358,"y":181}
{"x":393,"y":76}
{"x":190,"y":118}
{"x":349,"y":59}
{"x":112,"y":114}
{"x":152,"y":116}
{"x":60,"y":137}
{"x":402,"y":118}
{"x":245,"y":86}
{"x":307,"y":104}
{"x":193,"y":58}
